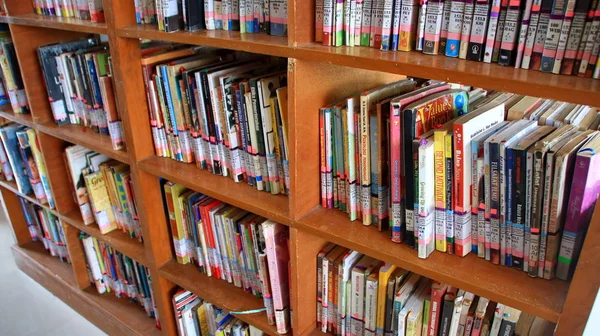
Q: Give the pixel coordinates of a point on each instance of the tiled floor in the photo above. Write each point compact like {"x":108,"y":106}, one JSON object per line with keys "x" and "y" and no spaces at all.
{"x":27,"y":308}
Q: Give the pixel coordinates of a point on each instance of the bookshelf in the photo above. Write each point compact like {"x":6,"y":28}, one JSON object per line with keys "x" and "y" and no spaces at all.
{"x":316,"y":75}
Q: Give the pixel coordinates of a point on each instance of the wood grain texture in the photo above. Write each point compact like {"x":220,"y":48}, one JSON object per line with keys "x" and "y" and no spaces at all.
{"x":218,"y":292}
{"x":502,"y":284}
{"x":312,"y":86}
{"x":54,"y":22}
{"x":274,"y":207}
{"x":12,"y":208}
{"x":77,"y":255}
{"x":23,"y":119}
{"x":81,"y":135}
{"x":584,"y":285}
{"x":113,"y":315}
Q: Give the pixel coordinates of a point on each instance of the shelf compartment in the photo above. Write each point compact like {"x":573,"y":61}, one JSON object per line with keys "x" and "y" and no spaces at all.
{"x":111,"y":314}
{"x":254,"y":43}
{"x":6,"y":111}
{"x":218,"y":292}
{"x":81,"y":135}
{"x":12,"y":186}
{"x":490,"y":76}
{"x":54,"y":22}
{"x":502,"y":284}
{"x":274,"y":207}
{"x":117,"y":239}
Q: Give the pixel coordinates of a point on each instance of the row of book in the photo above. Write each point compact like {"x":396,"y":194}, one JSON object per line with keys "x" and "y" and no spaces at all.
{"x":245,"y":16}
{"x":231,"y":244}
{"x":103,"y":190}
{"x":361,"y":296}
{"x":21,"y":161}
{"x":112,"y":271}
{"x":196,"y":317}
{"x":547,"y":35}
{"x":12,"y":82}
{"x":91,"y":10}
{"x":45,"y":227}
{"x":226,"y":112}
{"x":78,"y":78}
{"x":443,"y":169}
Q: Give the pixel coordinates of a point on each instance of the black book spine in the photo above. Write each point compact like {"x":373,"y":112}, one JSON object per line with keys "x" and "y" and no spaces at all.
{"x":495,"y":203}
{"x":447,"y":309}
{"x":212,"y":133}
{"x":408,"y":134}
{"x":518,"y":211}
{"x":476,"y":48}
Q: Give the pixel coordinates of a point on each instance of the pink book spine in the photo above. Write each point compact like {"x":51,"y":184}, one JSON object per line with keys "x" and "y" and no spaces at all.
{"x":276,"y":236}
{"x":395,"y":143}
{"x":437,"y":295}
{"x":523,"y":32}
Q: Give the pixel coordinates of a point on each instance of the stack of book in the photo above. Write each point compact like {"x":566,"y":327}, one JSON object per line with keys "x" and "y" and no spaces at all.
{"x":551,"y":36}
{"x":196,"y":317}
{"x":361,"y":296}
{"x":445,"y":171}
{"x":81,"y":9}
{"x":45,"y":227}
{"x":112,"y":271}
{"x":21,"y":161}
{"x":227,"y":112}
{"x":245,"y":16}
{"x":231,"y":244}
{"x":78,"y":79}
{"x":12,"y":83}
{"x":103,"y":190}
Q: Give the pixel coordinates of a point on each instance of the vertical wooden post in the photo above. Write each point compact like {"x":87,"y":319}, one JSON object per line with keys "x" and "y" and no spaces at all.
{"x":77,"y":254}
{"x":12,"y":208}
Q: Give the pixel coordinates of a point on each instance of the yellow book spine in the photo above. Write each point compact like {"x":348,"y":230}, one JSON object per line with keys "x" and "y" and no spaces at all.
{"x":440,"y":189}
{"x":177,"y":229}
{"x":384,"y":276}
{"x":182,"y":227}
{"x":449,"y":154}
{"x":100,"y":202}
{"x":273,"y":101}
{"x":41,"y":166}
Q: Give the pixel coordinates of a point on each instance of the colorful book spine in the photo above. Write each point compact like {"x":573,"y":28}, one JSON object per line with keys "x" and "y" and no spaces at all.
{"x":408,"y":22}
{"x":376,"y":24}
{"x":420,"y":42}
{"x":500,"y":30}
{"x":540,"y":36}
{"x":386,"y":26}
{"x":564,"y":36}
{"x":478,"y":30}
{"x":531,"y":34}
{"x":493,"y":29}
{"x":397,"y":12}
{"x":426,"y":208}
{"x":455,"y":25}
{"x":440,"y":190}
{"x":450,"y":197}
{"x":582,"y":199}
{"x":438,"y":290}
{"x":278,"y":17}
{"x":346,"y":25}
{"x":508,"y":47}
{"x":328,"y":17}
{"x":466,"y":28}
{"x":583,"y":10}
{"x":553,"y":34}
{"x":329,"y":156}
{"x":433,"y":27}
{"x":523,"y":33}
{"x":590,"y":44}
{"x":338,"y":31}
{"x":445,"y":24}
{"x":365,"y":30}
{"x":358,"y":22}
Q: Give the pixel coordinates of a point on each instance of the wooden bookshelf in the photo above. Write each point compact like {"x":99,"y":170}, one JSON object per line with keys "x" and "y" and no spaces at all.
{"x":317,"y":75}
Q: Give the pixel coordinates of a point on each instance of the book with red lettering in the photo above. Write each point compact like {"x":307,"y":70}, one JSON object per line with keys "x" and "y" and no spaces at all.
{"x":438,"y":290}
{"x":465,"y":128}
{"x":582,"y":200}
{"x":396,"y":156}
{"x":418,"y":118}
{"x":278,"y":256}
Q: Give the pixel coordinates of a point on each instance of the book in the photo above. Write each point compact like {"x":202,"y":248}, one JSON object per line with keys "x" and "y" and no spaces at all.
{"x":426,"y":207}
{"x":433,"y":26}
{"x":465,"y":33}
{"x":564,"y":35}
{"x":510,"y":33}
{"x":438,"y":290}
{"x":582,"y":199}
{"x":420,"y":39}
{"x":524,"y":29}
{"x":479,"y":27}
{"x":278,"y":257}
{"x":455,"y":27}
{"x":447,"y":311}
{"x":553,"y":34}
{"x":540,"y":36}
{"x":582,"y":21}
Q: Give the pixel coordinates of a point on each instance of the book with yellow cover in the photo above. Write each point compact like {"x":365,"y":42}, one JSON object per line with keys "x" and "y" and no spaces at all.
{"x":41,"y":166}
{"x":440,"y":188}
{"x":100,"y":200}
{"x":384,"y":276}
{"x":172,"y":193}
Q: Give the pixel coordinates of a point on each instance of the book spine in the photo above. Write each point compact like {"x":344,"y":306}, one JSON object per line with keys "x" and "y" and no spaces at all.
{"x":407,"y":25}
{"x":365,"y":156}
{"x":500,"y":31}
{"x":565,"y":32}
{"x":433,"y":26}
{"x":376,"y":24}
{"x":518,"y":209}
{"x":365,"y":30}
{"x":493,"y":29}
{"x":426,"y":201}
{"x":528,"y":211}
{"x":358,"y":22}
{"x":540,"y":37}
{"x":557,"y":205}
{"x":510,"y":33}
{"x":445,"y":25}
{"x":450,"y":196}
{"x":466,"y":28}
{"x":386,"y":26}
{"x":482,"y":237}
{"x":592,"y":46}
{"x":582,"y":200}
{"x":553,"y":33}
{"x":461,"y":188}
{"x":474,"y":197}
{"x":531,"y":34}
{"x":479,"y":26}
{"x":440,"y":191}
{"x":494,"y":203}
{"x":328,"y":16}
{"x":323,"y":143}
{"x":457,"y":13}
{"x":507,"y":200}
{"x":576,"y":34}
{"x":523,"y":32}
{"x":338,"y":30}
{"x":420,"y":40}
{"x":396,"y":168}
{"x":536,"y":212}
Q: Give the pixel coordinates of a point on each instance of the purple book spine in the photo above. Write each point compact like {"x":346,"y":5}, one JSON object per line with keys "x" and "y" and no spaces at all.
{"x":582,"y":199}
